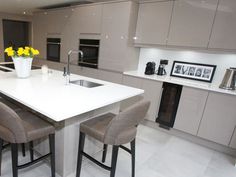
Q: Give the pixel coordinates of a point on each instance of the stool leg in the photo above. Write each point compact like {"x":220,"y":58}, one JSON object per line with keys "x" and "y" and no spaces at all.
{"x":133,"y":157}
{"x":52,"y":151}
{"x":80,"y":156}
{"x":23,"y":149}
{"x":104,"y":153}
{"x":1,"y":145}
{"x":31,"y":150}
{"x":114,"y":160}
{"x":14,"y":155}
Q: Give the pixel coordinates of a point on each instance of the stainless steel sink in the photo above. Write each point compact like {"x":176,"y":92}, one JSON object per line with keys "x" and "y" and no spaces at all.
{"x":85,"y":83}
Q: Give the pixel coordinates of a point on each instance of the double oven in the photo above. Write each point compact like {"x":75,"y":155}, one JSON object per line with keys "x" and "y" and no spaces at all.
{"x":89,"y":47}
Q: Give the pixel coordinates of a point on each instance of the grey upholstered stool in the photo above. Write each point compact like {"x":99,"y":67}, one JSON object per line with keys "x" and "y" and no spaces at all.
{"x":24,"y":127}
{"x":114,"y":130}
{"x":16,"y":108}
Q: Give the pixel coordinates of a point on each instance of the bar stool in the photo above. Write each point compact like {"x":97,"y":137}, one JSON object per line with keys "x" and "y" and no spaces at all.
{"x":16,"y":108}
{"x":115,"y":130}
{"x":24,"y":127}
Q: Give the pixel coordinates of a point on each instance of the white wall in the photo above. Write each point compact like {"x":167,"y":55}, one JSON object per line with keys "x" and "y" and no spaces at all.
{"x":222,"y":61}
{"x":10,"y":17}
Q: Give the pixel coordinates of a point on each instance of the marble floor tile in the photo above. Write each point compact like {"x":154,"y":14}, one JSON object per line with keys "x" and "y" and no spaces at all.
{"x":158,"y":154}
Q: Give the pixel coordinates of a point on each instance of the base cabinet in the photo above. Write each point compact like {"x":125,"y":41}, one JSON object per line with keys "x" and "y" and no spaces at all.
{"x":152,"y":92}
{"x":190,"y":110}
{"x":219,"y":118}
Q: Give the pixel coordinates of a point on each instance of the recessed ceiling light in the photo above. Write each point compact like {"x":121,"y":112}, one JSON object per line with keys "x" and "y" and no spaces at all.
{"x":24,"y":12}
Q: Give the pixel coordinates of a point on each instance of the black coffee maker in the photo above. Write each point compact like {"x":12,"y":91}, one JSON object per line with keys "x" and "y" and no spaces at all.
{"x":161,"y":69}
{"x":150,"y":68}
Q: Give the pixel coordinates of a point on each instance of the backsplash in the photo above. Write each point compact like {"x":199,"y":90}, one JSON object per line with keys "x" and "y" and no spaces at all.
{"x":223,"y":61}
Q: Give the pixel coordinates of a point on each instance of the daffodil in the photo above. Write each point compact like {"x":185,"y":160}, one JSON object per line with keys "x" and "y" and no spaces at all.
{"x":11,"y":53}
{"x":27,"y":48}
{"x":8,"y":49}
{"x":26,"y":52}
{"x":20,"y":51}
{"x":35,"y":52}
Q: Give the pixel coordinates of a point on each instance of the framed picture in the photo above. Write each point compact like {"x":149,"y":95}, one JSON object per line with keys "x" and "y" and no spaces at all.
{"x":194,"y":71}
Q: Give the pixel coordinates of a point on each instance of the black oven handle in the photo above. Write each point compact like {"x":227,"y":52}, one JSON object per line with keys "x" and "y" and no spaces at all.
{"x":88,"y":45}
{"x":54,"y":43}
{"x":92,"y":64}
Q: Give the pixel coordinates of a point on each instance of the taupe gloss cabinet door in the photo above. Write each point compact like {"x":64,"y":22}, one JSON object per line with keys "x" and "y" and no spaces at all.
{"x":223,"y":33}
{"x":219,"y":118}
{"x":118,"y":30}
{"x":152,"y":92}
{"x":131,"y":82}
{"x":153,"y":22}
{"x":233,"y":140}
{"x":115,"y":23}
{"x":192,"y":22}
{"x":88,"y":19}
{"x":190,"y":110}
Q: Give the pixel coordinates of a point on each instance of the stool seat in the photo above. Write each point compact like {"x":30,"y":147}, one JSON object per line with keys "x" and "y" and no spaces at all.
{"x":34,"y":126}
{"x":96,"y":128}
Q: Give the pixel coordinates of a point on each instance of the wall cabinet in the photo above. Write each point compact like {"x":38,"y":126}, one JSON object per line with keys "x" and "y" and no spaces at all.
{"x":153,"y":22}
{"x":190,"y":110}
{"x":117,"y":28}
{"x":223,"y":32}
{"x":219,"y":118}
{"x":152,"y":92}
{"x":192,"y":22}
{"x":88,"y":19}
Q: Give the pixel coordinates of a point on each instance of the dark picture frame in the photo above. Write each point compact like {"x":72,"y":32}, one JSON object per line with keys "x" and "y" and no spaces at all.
{"x":193,"y":71}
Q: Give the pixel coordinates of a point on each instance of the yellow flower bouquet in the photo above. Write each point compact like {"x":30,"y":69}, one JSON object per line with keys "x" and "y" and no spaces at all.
{"x":22,"y":58}
{"x":26,"y":52}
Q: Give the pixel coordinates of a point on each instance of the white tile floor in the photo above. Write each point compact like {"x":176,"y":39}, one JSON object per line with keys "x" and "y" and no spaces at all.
{"x":158,"y":155}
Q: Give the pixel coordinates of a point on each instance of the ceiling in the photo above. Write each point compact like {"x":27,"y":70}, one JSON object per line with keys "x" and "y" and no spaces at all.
{"x":29,"y":6}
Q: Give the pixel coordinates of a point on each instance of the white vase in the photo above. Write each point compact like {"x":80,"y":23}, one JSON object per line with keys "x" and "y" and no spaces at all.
{"x":22,"y":66}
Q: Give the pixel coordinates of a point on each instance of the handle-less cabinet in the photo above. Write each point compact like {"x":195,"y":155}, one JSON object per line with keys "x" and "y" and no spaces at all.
{"x":219,"y":118}
{"x":190,"y":110}
{"x":152,"y":92}
{"x":118,"y":28}
{"x":192,"y":22}
{"x":223,"y":32}
{"x":153,"y":22}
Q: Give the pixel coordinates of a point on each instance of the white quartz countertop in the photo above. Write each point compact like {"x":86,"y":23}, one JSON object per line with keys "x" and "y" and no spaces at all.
{"x":180,"y":81}
{"x":48,"y":94}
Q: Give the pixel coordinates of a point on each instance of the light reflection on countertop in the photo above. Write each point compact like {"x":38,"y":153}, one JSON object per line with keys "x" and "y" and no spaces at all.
{"x":180,"y":81}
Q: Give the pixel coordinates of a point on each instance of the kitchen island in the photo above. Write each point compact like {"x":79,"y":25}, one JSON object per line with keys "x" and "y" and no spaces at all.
{"x":64,"y":105}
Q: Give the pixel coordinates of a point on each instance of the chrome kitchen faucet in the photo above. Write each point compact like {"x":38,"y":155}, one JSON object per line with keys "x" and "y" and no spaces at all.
{"x":67,"y":70}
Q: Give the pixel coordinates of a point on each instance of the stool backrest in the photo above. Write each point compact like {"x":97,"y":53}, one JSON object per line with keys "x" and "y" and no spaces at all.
{"x":11,"y":125}
{"x":122,"y":128}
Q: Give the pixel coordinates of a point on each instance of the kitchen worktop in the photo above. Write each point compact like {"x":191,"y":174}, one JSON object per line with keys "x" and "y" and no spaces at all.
{"x":180,"y":81}
{"x":41,"y":91}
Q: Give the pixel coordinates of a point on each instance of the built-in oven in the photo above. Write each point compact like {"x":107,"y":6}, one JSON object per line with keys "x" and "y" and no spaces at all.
{"x":53,"y":49}
{"x":90,"y":49}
